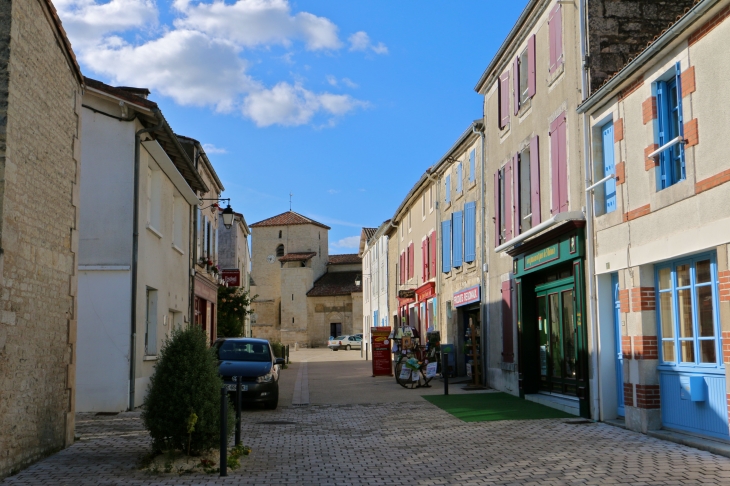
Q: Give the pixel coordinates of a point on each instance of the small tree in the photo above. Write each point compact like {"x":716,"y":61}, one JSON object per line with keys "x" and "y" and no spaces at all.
{"x":182,"y":407}
{"x":234,"y":304}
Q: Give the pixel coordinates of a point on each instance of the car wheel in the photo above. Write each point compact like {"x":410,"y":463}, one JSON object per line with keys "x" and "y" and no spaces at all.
{"x":349,"y":347}
{"x":335,"y":349}
{"x":271,"y":405}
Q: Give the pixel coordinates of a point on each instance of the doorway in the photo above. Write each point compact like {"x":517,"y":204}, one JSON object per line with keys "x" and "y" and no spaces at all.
{"x":335,"y":329}
{"x":558,"y":337}
{"x":619,"y":352}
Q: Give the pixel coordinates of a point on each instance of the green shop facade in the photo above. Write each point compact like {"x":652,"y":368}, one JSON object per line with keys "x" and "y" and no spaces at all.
{"x":548,"y":295}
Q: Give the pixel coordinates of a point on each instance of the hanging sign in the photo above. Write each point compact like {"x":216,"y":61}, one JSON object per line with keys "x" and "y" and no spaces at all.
{"x":466,"y":296}
{"x":545,"y":255}
{"x":379,"y":343}
{"x":232,"y":277}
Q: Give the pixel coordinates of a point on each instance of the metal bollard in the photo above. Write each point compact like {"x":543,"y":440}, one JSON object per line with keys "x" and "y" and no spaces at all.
{"x":367,"y":348}
{"x":238,"y":410}
{"x":224,"y":430}
{"x":445,"y":371}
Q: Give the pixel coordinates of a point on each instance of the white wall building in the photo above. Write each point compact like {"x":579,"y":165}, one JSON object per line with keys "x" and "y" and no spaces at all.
{"x":130,"y":293}
{"x":374,"y":253}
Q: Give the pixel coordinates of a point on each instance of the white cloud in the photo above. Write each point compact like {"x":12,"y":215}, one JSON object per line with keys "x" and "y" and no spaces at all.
{"x":333,"y":191}
{"x":349,"y":243}
{"x":258,"y":22}
{"x":360,"y":41}
{"x":349,"y":83}
{"x":292,"y":105}
{"x":333,"y":81}
{"x":212,"y":149}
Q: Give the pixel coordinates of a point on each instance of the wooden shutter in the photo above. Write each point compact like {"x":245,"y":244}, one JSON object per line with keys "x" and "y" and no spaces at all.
{"x":424,"y":260}
{"x":563,"y":164}
{"x":516,"y":84}
{"x":503,"y":88}
{"x":507,"y":198}
{"x":555,"y":29}
{"x":470,"y":210}
{"x":411,"y":261}
{"x":535,"y":181}
{"x":531,"y":67}
{"x":472,"y":166}
{"x":432,"y":247}
{"x":459,"y":178}
{"x":497,"y":220}
{"x":559,"y":165}
{"x":508,"y":353}
{"x":516,"y":193}
{"x":447,"y":188}
{"x":400,"y":270}
{"x":457,"y":232}
{"x":446,"y":246}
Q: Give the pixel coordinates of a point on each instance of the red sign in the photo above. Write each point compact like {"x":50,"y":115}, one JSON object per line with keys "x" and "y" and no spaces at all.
{"x":426,"y":291}
{"x":232,"y":277}
{"x":380,"y":344}
{"x":466,"y":296}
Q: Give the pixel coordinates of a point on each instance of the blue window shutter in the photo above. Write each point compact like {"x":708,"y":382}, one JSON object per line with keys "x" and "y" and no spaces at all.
{"x":459,"y":178}
{"x":472,"y":165}
{"x":470,"y":226}
{"x":446,"y":246}
{"x":447,"y":189}
{"x":663,"y":120}
{"x":609,"y":167}
{"x":457,"y":234}
{"x":678,"y":75}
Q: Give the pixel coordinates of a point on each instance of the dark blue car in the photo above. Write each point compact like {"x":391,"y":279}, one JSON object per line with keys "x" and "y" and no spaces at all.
{"x":253,"y":360}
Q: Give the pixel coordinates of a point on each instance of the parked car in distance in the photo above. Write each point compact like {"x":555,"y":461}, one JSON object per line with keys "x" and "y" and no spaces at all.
{"x":254,"y":361}
{"x":347,"y":342}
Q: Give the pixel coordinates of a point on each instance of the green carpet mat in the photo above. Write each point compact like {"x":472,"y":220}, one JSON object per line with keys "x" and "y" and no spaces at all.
{"x":487,"y":407}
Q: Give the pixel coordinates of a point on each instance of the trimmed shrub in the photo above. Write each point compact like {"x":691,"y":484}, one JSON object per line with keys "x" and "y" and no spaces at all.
{"x":182,"y":407}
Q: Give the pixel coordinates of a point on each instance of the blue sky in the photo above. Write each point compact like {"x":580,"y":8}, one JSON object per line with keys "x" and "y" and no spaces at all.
{"x":342,"y":103}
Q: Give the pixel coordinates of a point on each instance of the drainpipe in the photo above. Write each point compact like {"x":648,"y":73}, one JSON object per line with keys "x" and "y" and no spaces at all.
{"x":596,"y":389}
{"x":135,"y":251}
{"x":437,"y":206}
{"x":478,"y":128}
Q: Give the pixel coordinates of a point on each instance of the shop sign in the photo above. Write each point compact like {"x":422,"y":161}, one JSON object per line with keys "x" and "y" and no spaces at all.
{"x":231,"y":277}
{"x":426,"y":291}
{"x":543,"y":256}
{"x":407,"y":294}
{"x":466,"y":296}
{"x":380,"y":344}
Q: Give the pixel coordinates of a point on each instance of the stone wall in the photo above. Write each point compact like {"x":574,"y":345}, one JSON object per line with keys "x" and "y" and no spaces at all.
{"x":39,"y":153}
{"x":618,"y":30}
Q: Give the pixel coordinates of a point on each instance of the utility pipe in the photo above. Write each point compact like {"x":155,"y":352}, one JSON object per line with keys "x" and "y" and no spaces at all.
{"x":605,"y":179}
{"x":135,"y":251}
{"x":478,"y":128}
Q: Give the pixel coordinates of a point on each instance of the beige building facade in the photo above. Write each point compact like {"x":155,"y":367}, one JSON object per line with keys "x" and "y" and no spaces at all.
{"x":234,"y":254}
{"x":41,"y":86}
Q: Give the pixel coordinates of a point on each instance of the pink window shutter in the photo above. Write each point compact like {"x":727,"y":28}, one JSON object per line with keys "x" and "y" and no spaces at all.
{"x":411,"y":261}
{"x":516,"y":192}
{"x":535,"y":180}
{"x":424,"y":260}
{"x":497,"y":221}
{"x":516,"y":84}
{"x":432,"y":243}
{"x":508,"y":209}
{"x":531,"y":67}
{"x":554,"y":167}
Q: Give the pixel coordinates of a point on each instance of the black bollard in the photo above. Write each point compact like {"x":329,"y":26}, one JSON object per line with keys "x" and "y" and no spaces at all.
{"x":367,"y":348}
{"x":445,"y":371}
{"x":238,"y":410}
{"x":224,"y":430}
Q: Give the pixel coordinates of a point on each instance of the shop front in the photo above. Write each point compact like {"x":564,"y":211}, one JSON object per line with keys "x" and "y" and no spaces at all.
{"x":549,"y":298}
{"x":426,"y":299}
{"x":466,"y":303}
{"x":206,"y":297}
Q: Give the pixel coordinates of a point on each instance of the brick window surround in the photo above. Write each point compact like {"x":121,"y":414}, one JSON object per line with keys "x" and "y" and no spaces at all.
{"x":709,"y":183}
{"x":620,"y":173}
{"x":626,"y":347}
{"x":691,"y":133}
{"x":637,"y":213}
{"x":726,"y":348}
{"x":646,"y":347}
{"x":724,"y":278}
{"x":649,"y":110}
{"x":647,"y":396}
{"x":623,"y":297}
{"x":618,"y":130}
{"x":643,"y":299}
{"x":688,"y":81}
{"x":653,"y":162}
{"x":629,"y":394}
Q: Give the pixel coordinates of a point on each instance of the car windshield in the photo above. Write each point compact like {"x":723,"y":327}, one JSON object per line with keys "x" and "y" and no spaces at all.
{"x":340,"y":338}
{"x":242,"y":351}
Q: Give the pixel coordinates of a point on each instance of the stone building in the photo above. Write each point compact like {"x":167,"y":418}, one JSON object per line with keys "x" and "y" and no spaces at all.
{"x":289,"y":254}
{"x":374,"y":254}
{"x":41,"y":88}
{"x":234,"y":258}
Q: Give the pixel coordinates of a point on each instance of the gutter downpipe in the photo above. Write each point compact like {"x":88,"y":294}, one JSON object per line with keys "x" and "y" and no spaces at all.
{"x":437,"y":207}
{"x":596,"y":392}
{"x":482,"y":295}
{"x":135,"y":253}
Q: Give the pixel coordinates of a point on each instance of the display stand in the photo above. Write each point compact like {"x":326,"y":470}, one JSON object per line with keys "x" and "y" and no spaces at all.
{"x":476,"y":357}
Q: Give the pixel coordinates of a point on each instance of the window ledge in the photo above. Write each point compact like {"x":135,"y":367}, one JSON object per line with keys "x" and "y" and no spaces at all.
{"x":177,"y":249}
{"x":556,"y":74}
{"x":472,"y":184}
{"x":504,"y":132}
{"x":524,"y":109}
{"x":154,"y":231}
{"x":446,"y":207}
{"x":459,"y":195}
{"x":150,"y":357}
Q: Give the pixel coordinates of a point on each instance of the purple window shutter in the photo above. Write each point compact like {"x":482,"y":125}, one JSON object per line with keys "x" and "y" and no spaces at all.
{"x":563,"y":164}
{"x":516,"y":84}
{"x":504,"y":100}
{"x":532,"y":79}
{"x":535,"y":180}
{"x":497,"y":221}
{"x":554,"y":171}
{"x":558,"y":21}
{"x":516,"y":192}
{"x":508,"y":352}
{"x":508,"y":209}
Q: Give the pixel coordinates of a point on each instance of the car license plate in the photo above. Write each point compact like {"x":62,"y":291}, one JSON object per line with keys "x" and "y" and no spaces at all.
{"x":233,"y":387}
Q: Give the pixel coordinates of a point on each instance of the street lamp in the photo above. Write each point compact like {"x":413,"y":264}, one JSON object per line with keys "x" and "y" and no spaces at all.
{"x":226,"y":213}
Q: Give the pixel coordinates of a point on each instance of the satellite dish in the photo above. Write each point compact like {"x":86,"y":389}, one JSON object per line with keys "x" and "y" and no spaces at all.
{"x":271,"y":258}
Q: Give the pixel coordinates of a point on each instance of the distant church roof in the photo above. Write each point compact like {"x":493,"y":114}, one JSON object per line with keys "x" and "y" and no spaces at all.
{"x":288,"y":218}
{"x":347,"y":258}
{"x":298,"y":256}
{"x":337,"y":283}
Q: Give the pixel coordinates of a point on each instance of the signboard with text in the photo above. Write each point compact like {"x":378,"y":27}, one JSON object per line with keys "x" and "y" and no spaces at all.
{"x":466,"y":296}
{"x":380,"y":344}
{"x":232,"y":277}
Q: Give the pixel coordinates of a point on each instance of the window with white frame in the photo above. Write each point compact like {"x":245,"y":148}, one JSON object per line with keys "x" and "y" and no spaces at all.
{"x":423,"y":205}
{"x":687,"y":312}
{"x":459,"y":177}
{"x":525,"y":216}
{"x":524,"y":77}
{"x":154,"y":198}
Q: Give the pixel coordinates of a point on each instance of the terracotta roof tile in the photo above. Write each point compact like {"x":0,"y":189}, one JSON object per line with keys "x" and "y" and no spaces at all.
{"x":297,"y":257}
{"x":369,"y":232}
{"x":288,"y":218}
{"x":336,"y":283}
{"x":347,"y":258}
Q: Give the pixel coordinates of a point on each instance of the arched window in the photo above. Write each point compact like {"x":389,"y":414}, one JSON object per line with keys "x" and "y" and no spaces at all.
{"x":280,"y":234}
{"x":280,"y":251}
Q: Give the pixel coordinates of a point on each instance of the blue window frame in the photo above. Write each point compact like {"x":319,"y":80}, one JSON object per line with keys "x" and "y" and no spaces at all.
{"x":609,"y":167}
{"x":447,"y":189}
{"x":472,"y":165}
{"x":457,"y":237}
{"x":459,"y":177}
{"x":670,"y":126}
{"x":687,"y":316}
{"x":446,"y":246}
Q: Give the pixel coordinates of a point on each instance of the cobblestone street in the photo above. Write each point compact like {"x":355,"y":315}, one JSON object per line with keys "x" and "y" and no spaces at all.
{"x":371,"y":438}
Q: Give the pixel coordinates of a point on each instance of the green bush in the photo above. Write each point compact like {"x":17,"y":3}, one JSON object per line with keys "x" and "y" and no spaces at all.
{"x":234,"y":304}
{"x":278,"y":348}
{"x":182,"y":407}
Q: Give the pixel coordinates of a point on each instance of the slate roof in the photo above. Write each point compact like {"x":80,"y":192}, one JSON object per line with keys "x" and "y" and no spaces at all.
{"x":345,"y":259}
{"x":369,"y":232}
{"x":297,"y":256}
{"x":336,"y":283}
{"x":288,"y":218}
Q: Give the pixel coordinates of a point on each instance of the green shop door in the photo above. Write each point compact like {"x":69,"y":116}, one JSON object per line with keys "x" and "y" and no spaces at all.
{"x":558,"y":337}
